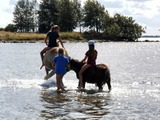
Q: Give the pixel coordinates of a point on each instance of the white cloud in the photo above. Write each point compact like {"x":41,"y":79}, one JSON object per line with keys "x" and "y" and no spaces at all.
{"x":12,"y":2}
{"x":145,"y":12}
{"x":5,"y":13}
{"x":133,"y":7}
{"x":147,"y":9}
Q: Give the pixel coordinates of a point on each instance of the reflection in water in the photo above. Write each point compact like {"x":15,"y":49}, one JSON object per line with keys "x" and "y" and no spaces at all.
{"x":135,"y":75}
{"x":74,"y":105}
{"x":54,"y":103}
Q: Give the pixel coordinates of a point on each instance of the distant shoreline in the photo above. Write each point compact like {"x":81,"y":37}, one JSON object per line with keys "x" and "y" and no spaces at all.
{"x":11,"y":37}
{"x":72,"y":41}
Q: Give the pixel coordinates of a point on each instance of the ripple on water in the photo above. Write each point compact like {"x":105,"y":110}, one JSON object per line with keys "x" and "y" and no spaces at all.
{"x":135,"y":91}
{"x":75,"y":105}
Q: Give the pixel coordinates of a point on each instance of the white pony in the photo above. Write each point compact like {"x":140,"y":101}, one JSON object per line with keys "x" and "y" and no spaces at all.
{"x":48,"y":61}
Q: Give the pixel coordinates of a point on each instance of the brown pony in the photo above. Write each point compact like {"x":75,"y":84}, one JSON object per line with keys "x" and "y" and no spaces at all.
{"x":98,"y":75}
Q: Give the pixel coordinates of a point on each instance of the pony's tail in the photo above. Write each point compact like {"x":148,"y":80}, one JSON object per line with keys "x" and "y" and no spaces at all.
{"x":108,"y":79}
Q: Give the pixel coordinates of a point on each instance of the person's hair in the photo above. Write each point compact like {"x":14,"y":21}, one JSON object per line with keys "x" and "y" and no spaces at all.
{"x":61,"y":51}
{"x":91,"y":48}
{"x":55,"y":27}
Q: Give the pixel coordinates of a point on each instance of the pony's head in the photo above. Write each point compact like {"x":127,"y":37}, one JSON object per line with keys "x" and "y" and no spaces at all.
{"x":75,"y":65}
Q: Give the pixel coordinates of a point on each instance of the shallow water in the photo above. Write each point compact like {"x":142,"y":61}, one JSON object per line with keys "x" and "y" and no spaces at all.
{"x":135,"y":91}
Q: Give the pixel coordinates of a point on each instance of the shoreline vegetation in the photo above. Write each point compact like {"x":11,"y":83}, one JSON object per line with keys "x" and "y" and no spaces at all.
{"x":15,"y":37}
{"x":30,"y":16}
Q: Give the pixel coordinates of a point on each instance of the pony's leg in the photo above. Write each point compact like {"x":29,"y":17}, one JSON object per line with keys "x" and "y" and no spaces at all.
{"x":47,"y":71}
{"x":109,"y":84}
{"x":100,"y":86}
{"x":78,"y":85}
{"x":49,"y":75}
{"x":84,"y":83}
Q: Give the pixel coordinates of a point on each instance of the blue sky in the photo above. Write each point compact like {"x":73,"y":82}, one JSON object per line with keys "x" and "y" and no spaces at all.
{"x":145,"y":12}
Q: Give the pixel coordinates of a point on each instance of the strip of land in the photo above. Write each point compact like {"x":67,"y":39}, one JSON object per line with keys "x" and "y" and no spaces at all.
{"x":35,"y":37}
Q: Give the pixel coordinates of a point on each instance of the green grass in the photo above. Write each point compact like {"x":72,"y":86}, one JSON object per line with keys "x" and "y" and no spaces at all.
{"x":6,"y":36}
{"x":10,"y":36}
{"x":71,"y":36}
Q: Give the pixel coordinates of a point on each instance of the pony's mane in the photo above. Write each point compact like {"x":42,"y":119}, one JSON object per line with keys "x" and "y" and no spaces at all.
{"x":76,"y":60}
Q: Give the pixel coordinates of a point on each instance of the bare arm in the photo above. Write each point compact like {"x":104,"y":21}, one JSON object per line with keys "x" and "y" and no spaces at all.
{"x":45,"y":40}
{"x":60,"y":40}
{"x":84,"y":59}
{"x":95,"y":56}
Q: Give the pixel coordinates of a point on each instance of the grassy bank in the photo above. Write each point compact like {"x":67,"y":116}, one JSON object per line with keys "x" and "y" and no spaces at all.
{"x":33,"y":37}
{"x":72,"y":36}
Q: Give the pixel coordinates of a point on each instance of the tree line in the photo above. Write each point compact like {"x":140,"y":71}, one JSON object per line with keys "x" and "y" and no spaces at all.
{"x":29,"y":16}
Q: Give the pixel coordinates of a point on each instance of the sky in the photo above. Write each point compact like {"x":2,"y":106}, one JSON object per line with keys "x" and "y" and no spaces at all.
{"x":144,"y":12}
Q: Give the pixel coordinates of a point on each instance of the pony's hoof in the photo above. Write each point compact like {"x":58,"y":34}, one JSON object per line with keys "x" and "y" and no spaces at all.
{"x":100,"y":90}
{"x":45,"y":78}
{"x":82,"y":89}
{"x":109,"y":91}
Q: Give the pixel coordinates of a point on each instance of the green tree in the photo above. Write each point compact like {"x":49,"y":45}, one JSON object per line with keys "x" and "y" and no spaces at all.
{"x":67,"y":16}
{"x":1,"y":29}
{"x":48,"y":13}
{"x":94,"y":14}
{"x":35,"y":15}
{"x":10,"y":28}
{"x":77,"y":9}
{"x":19,"y":15}
{"x":29,"y":16}
{"x":24,"y":16}
{"x":130,"y":30}
{"x":122,"y":28}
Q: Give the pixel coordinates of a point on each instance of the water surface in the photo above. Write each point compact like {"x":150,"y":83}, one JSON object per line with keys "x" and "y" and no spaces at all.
{"x":135,"y":91}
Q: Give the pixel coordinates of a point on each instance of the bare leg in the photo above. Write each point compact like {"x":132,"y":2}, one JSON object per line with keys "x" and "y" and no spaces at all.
{"x":41,"y":54}
{"x":81,"y":72}
{"x":59,"y":82}
{"x":47,"y":71}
